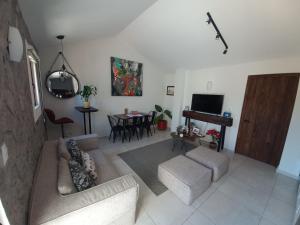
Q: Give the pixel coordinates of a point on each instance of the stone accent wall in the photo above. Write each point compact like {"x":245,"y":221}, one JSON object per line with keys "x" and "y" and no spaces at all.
{"x":18,"y":131}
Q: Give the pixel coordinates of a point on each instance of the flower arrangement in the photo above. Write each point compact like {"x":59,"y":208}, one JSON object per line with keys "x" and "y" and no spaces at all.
{"x":214,"y":134}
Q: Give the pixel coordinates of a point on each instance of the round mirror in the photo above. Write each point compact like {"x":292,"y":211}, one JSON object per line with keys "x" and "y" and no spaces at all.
{"x":62,"y":84}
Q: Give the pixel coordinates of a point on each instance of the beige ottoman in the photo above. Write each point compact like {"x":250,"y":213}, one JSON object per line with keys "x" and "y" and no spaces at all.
{"x":216,"y":161}
{"x":185,"y":178}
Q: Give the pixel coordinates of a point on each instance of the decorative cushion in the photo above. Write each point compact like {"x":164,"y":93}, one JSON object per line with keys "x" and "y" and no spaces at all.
{"x":62,"y":149}
{"x":81,"y":179}
{"x":89,"y":165}
{"x":64,"y":182}
{"x":74,"y":151}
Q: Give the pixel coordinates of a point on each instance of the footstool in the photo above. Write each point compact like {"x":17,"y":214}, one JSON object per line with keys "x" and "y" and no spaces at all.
{"x":218,"y":162}
{"x":185,"y":178}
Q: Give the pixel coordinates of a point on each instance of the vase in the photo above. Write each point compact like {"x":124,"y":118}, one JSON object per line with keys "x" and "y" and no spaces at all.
{"x":213,"y":145}
{"x":162,"y":125}
{"x":86,"y":104}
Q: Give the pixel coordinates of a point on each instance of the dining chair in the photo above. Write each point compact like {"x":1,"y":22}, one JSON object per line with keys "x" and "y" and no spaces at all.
{"x":146,"y":125}
{"x":152,"y":119}
{"x":60,"y":121}
{"x":135,"y":126}
{"x":116,"y":128}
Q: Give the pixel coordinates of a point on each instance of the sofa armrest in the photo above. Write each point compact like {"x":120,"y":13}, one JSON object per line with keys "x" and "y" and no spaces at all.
{"x":101,"y":204}
{"x":87,"y":142}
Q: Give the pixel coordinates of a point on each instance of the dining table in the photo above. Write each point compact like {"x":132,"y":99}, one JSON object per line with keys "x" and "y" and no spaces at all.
{"x":125,"y":117}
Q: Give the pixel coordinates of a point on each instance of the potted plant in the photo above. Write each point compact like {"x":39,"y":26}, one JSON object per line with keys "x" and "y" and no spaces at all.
{"x":159,"y":120}
{"x":85,"y":94}
{"x":215,"y":135}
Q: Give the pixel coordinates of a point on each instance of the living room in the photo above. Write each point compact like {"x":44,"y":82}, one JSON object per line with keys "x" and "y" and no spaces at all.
{"x":147,"y":172}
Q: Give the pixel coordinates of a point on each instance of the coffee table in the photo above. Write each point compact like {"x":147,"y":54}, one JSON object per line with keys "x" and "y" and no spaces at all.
{"x":192,"y":139}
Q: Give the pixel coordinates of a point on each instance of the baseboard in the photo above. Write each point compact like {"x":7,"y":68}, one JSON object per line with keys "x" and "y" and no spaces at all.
{"x":287,"y":174}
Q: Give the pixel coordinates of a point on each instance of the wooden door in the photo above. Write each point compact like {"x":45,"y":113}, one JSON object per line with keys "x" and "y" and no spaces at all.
{"x":267,"y":110}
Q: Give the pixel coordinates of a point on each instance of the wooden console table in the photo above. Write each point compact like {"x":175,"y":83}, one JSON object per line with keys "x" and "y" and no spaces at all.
{"x":215,"y":119}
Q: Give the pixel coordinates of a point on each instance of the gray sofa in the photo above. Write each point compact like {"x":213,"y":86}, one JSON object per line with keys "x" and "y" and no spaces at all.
{"x":111,"y":202}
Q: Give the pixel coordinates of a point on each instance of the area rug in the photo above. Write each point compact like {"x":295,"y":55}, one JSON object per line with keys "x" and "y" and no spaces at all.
{"x":145,"y":160}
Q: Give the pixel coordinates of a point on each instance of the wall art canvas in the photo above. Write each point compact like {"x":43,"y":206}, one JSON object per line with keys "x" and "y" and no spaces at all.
{"x":126,"y":77}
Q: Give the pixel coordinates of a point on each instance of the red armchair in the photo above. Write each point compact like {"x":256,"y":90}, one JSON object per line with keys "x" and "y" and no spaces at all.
{"x":61,"y":121}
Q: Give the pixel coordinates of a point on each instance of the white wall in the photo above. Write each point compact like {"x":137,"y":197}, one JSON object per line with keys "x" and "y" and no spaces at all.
{"x":168,"y":99}
{"x":91,"y":61}
{"x":231,"y":81}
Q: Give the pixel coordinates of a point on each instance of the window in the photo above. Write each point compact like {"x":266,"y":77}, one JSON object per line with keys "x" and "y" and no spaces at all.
{"x":3,"y":217}
{"x":33,"y":63}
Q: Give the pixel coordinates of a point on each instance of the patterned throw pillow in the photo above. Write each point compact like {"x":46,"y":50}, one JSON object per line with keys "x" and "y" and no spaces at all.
{"x":74,"y":150}
{"x":89,"y":165}
{"x":81,"y":179}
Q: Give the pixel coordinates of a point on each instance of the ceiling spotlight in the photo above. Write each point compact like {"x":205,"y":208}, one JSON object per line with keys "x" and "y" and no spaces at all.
{"x":219,"y":35}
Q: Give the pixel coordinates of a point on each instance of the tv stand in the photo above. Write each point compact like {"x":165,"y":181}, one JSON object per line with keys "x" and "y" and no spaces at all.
{"x":215,"y":119}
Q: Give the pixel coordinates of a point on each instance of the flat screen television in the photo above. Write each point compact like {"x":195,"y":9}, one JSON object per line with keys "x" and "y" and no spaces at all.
{"x":207,"y":103}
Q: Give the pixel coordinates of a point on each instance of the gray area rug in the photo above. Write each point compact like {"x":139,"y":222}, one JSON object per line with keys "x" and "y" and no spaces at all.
{"x":145,"y":160}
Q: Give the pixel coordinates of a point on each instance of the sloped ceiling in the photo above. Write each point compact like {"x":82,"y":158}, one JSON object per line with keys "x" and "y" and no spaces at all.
{"x":79,"y":19}
{"x":175,"y":34}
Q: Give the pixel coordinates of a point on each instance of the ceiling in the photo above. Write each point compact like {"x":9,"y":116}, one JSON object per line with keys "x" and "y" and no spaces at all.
{"x":175,"y":34}
{"x":79,"y":19}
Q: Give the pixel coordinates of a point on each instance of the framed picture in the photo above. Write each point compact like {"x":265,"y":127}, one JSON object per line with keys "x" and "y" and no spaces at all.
{"x":126,"y":77}
{"x":170,"y":90}
{"x":196,"y":130}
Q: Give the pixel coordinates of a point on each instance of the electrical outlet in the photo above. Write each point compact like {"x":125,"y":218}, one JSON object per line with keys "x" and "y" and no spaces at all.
{"x":4,"y":155}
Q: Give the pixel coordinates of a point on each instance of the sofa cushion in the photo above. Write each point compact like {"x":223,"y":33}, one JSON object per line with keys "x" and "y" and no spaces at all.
{"x":64,"y":180}
{"x":89,"y":165}
{"x":104,"y":167}
{"x":81,"y":179}
{"x":62,"y":150}
{"x":74,"y":150}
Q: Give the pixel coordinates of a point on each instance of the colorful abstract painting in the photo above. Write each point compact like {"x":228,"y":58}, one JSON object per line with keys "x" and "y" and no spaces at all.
{"x":126,"y":77}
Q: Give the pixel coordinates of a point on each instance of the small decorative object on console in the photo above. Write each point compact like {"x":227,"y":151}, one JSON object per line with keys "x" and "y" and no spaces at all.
{"x":227,"y":114}
{"x":196,"y":130}
{"x":215,"y":137}
{"x":179,"y":129}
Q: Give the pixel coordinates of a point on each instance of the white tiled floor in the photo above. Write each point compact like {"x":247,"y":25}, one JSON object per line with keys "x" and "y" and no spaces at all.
{"x":251,"y":193}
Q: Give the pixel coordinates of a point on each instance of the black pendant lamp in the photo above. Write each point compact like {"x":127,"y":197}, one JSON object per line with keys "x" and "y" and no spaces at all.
{"x":65,"y":64}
